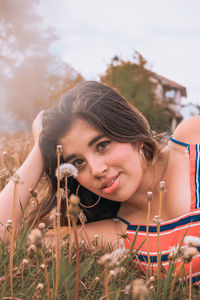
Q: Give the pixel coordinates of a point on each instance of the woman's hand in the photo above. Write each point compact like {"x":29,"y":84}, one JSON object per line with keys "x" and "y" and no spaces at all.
{"x":37,"y":126}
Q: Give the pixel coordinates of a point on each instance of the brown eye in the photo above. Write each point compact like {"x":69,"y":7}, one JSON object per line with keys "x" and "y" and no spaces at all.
{"x":103,"y":145}
{"x":78,"y":163}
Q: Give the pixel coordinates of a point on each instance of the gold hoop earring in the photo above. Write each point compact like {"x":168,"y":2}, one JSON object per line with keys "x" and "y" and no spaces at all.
{"x":87,"y":206}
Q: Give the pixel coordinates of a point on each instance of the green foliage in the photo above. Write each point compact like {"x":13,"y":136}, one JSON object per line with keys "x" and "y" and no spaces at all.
{"x":133,"y":81}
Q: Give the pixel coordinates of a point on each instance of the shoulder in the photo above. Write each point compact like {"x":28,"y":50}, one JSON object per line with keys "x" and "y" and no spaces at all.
{"x":188,"y":131}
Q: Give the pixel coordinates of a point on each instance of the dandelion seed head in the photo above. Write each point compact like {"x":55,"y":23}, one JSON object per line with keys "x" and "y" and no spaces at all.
{"x":139,"y":289}
{"x":16,"y":178}
{"x":25,"y":262}
{"x":74,"y":200}
{"x":35,"y":237}
{"x":67,"y":170}
{"x":31,"y":251}
{"x":40,"y":286}
{"x":157,"y":220}
{"x":192,"y":241}
{"x":82,"y":217}
{"x":174,"y":252}
{"x":41,"y":226}
{"x":42,"y":266}
{"x":59,"y":149}
{"x":149,"y":196}
{"x":189,"y":253}
{"x":162,"y":185}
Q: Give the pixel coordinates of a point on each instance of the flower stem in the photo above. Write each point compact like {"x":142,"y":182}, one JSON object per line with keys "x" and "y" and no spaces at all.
{"x":77,"y":279}
{"x":147,"y":236}
{"x":46,"y":276}
{"x":12,"y":237}
{"x":69,"y":221}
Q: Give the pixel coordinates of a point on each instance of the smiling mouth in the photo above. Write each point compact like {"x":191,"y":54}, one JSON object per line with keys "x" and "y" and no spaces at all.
{"x":108,"y":185}
{"x":112,"y":186}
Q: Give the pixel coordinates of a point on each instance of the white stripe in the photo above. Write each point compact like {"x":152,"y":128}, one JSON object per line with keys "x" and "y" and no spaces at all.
{"x":197,"y":178}
{"x":155,"y":253}
{"x":163,"y":263}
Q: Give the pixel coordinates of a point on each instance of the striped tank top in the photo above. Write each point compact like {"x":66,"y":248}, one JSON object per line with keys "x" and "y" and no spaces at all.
{"x":172,"y":232}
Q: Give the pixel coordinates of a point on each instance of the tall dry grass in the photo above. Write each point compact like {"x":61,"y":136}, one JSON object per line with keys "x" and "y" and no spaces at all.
{"x":103,"y":274}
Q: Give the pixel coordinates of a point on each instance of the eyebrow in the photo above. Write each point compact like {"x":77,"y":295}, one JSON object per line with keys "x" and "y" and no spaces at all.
{"x":90,"y":144}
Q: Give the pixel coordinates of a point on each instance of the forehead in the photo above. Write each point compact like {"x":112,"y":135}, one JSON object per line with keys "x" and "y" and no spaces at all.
{"x":78,"y":136}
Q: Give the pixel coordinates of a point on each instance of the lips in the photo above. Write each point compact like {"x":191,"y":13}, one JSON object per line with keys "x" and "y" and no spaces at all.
{"x":111,"y":184}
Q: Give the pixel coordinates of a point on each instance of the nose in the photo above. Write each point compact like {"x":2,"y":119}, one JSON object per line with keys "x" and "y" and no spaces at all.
{"x":98,"y":166}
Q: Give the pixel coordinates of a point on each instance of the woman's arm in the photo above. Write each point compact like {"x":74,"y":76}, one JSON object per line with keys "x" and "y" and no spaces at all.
{"x":30,"y":173}
{"x":188,"y":131}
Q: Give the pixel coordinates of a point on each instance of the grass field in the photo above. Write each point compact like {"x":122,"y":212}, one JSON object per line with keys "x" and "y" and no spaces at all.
{"x":33,"y":268}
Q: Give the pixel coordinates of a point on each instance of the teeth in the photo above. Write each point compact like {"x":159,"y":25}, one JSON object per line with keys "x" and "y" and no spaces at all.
{"x":111,"y":182}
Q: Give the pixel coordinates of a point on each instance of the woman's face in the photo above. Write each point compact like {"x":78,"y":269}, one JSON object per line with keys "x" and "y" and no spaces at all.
{"x":107,"y":168}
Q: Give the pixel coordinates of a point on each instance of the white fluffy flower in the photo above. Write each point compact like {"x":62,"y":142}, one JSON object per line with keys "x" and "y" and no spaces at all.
{"x":67,"y":170}
{"x":192,"y":241}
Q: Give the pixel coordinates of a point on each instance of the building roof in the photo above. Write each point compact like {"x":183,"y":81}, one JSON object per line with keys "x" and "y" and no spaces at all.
{"x":171,"y":84}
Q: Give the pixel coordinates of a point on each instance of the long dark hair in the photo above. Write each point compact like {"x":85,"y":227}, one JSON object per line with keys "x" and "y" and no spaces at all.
{"x":106,"y":110}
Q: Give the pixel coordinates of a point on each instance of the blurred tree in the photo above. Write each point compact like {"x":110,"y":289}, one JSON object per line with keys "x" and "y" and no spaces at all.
{"x":32,"y":77}
{"x":133,"y":80}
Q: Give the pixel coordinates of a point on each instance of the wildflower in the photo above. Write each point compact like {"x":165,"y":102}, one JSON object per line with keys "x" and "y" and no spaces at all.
{"x":38,"y":292}
{"x":174,"y":253}
{"x":82,"y":242}
{"x":188,"y":253}
{"x":192,"y":241}
{"x":162,"y":185}
{"x":150,"y":281}
{"x":59,"y":149}
{"x":8,"y":225}
{"x":139,"y":290}
{"x":40,"y":286}
{"x":96,"y":239}
{"x":42,"y":266}
{"x":157,"y":220}
{"x":16,"y":178}
{"x":52,"y":215}
{"x":127,"y":289}
{"x":62,"y":193}
{"x":149,"y":196}
{"x":36,"y":237}
{"x":25,"y":262}
{"x":41,"y":226}
{"x":31,"y":251}
{"x":114,"y":258}
{"x":73,"y":211}
{"x":74,"y":200}
{"x":67,"y":170}
{"x":82,"y":217}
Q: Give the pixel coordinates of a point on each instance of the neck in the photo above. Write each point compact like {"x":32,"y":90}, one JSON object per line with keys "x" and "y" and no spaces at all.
{"x":151,"y":182}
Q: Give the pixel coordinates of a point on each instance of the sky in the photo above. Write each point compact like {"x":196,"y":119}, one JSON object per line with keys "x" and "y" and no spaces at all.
{"x":92,"y":32}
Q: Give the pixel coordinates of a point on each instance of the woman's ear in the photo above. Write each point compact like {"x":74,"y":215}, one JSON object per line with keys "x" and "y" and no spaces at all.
{"x":142,"y":157}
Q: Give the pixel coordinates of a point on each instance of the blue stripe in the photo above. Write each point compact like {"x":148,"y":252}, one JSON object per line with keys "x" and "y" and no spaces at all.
{"x":179,"y":143}
{"x":123,"y":220}
{"x":153,"y":258}
{"x":196,"y":279}
{"x":197,"y":177}
{"x":181,"y":222}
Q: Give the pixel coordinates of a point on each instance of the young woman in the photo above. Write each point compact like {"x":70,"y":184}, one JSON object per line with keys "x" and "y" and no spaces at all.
{"x":118,"y":159}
